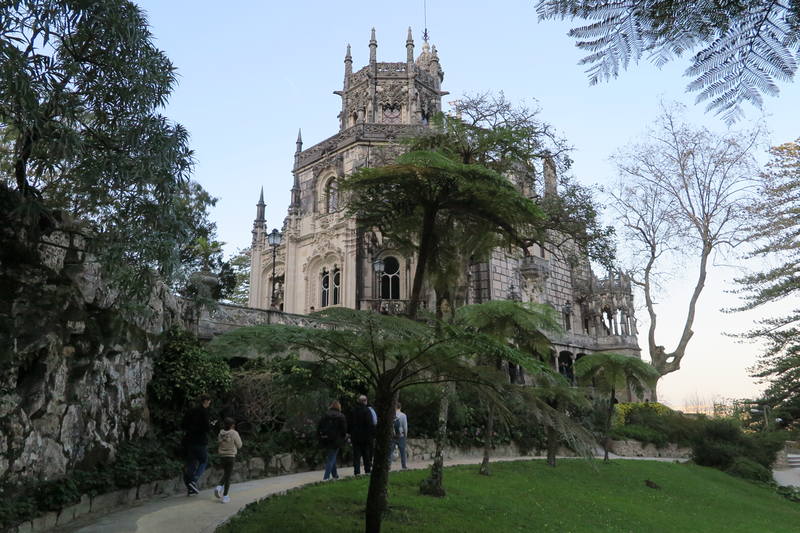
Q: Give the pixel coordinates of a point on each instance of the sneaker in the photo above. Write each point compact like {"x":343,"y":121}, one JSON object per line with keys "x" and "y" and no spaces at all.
{"x":218,"y":491}
{"x":226,"y":499}
{"x":193,"y":488}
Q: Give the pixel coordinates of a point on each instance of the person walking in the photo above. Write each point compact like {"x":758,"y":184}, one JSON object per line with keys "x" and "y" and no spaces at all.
{"x":400,"y":431}
{"x":362,"y":432}
{"x":229,"y":444}
{"x":332,"y":432}
{"x":196,"y":425}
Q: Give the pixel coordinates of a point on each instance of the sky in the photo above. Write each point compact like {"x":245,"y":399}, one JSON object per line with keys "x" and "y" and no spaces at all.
{"x":251,"y":73}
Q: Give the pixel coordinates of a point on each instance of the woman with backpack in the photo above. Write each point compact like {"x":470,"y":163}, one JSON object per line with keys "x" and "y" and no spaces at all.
{"x":332,"y":432}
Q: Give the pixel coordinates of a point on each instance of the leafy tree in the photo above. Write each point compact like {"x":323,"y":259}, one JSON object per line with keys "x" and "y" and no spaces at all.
{"x":684,"y":192}
{"x":744,"y":46}
{"x":240,"y":268}
{"x":421,"y":200}
{"x":388,"y":353}
{"x":612,"y":371}
{"x":81,"y":84}
{"x":775,"y":232}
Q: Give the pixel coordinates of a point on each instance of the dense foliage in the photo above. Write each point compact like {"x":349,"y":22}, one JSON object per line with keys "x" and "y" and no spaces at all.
{"x":182,"y":373}
{"x":745,"y":46}
{"x":81,"y":86}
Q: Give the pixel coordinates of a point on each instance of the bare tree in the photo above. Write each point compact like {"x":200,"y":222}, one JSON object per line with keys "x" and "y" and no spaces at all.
{"x":684,"y":192}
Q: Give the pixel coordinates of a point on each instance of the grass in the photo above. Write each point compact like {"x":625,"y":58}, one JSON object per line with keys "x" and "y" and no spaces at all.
{"x":576,"y":496}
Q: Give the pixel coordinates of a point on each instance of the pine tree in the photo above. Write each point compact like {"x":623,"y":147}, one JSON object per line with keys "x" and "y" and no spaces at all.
{"x":776,"y":233}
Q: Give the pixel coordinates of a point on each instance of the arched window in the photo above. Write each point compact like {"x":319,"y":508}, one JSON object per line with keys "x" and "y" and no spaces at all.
{"x":390,"y":281}
{"x":326,"y":287}
{"x":331,"y":196}
{"x":337,"y":279}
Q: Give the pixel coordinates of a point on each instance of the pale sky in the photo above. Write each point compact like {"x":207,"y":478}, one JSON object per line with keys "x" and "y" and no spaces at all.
{"x":252,"y":72}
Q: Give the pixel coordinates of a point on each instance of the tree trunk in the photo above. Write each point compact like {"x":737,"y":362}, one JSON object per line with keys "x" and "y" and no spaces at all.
{"x":425,"y":241}
{"x":610,"y":414}
{"x":487,"y":442}
{"x":670,"y":362}
{"x":552,"y":445}
{"x":432,"y":486}
{"x":377,"y":495}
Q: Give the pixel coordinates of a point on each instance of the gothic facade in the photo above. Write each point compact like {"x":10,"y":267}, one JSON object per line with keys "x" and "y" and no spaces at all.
{"x":322,"y":258}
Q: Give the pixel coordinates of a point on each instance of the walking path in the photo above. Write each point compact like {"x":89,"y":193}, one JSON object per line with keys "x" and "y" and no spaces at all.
{"x":204,"y":513}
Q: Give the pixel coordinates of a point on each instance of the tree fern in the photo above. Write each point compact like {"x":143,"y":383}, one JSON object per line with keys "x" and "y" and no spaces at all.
{"x":746,"y":47}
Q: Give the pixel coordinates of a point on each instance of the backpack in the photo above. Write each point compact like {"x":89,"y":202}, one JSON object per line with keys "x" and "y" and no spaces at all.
{"x":398,"y":427}
{"x":326,"y":430}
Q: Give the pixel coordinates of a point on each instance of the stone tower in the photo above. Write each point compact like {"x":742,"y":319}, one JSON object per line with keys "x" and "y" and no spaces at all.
{"x":326,"y":260}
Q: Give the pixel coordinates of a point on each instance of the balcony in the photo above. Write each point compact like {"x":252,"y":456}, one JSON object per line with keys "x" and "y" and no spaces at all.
{"x":387,"y":307}
{"x":535,"y":268}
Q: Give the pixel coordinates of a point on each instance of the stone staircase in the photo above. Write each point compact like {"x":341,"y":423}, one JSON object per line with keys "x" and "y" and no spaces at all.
{"x":793,"y":460}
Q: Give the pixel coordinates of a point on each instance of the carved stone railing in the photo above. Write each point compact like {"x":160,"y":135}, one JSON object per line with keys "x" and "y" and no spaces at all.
{"x":535,"y":268}
{"x":387,"y":307}
{"x":359,"y":132}
{"x":392,"y":68}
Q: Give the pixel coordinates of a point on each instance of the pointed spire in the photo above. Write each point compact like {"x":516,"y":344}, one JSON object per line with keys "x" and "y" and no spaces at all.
{"x":409,"y":47}
{"x":260,"y":209}
{"x":299,"y":142}
{"x":348,"y":67}
{"x":373,"y":47}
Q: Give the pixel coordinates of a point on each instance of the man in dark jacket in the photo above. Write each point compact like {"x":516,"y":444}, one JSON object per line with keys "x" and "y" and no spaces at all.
{"x":362,"y":433}
{"x":332,"y":432}
{"x":196,"y":425}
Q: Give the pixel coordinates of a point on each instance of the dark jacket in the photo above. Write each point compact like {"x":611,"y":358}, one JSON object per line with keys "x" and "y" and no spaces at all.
{"x":332,"y":429}
{"x":362,"y":430}
{"x":196,"y":425}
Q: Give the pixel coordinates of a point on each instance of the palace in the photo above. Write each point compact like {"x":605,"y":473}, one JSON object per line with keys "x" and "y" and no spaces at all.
{"x":322,"y":258}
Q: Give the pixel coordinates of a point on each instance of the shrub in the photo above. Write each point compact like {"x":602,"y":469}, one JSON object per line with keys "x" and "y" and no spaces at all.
{"x":749,"y":469}
{"x":642,"y":434}
{"x":182,"y":372}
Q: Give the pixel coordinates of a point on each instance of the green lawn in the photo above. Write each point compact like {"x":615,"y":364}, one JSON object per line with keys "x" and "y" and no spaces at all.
{"x":576,"y":496}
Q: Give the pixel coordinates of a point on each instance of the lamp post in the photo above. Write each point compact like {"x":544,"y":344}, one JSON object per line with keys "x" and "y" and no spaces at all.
{"x":274,"y":240}
{"x":379,"y":266}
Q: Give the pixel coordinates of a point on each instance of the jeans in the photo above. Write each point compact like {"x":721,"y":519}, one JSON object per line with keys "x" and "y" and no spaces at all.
{"x":400,"y":442}
{"x":227,"y":470}
{"x":362,"y":450}
{"x":196,"y":462}
{"x":330,"y":464}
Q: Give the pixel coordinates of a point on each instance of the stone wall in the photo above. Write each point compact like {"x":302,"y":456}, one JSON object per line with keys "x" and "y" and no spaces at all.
{"x":633,"y":448}
{"x":74,"y":368}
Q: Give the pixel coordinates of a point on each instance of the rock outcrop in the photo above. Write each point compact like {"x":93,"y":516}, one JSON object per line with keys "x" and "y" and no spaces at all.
{"x":74,"y":367}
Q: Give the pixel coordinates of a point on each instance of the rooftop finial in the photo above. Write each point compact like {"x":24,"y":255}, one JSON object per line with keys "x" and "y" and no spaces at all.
{"x":260,"y":210}
{"x":299,"y":140}
{"x":347,"y":56}
{"x":409,"y":47}
{"x":373,"y":47}
{"x":425,"y":17}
